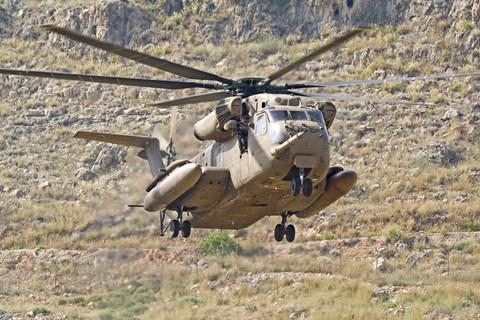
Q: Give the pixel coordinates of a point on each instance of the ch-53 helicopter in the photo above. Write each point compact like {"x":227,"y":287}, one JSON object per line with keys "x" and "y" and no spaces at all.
{"x":270,"y":151}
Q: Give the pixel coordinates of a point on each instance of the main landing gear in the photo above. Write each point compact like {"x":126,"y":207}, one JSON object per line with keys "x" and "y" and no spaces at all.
{"x":284,"y":230}
{"x":299,"y":183}
{"x":175,"y":225}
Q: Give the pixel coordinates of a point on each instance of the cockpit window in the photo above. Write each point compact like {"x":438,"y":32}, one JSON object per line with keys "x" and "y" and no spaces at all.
{"x":277,"y":115}
{"x":317,"y":116}
{"x":261,"y":126}
{"x":298,"y":115}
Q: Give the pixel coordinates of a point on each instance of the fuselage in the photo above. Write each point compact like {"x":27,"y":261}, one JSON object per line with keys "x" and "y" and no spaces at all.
{"x":260,"y":172}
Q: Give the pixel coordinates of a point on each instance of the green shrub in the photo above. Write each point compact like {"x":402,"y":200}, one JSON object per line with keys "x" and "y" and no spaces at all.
{"x":108,"y":316}
{"x":73,"y":315}
{"x":327,"y":236}
{"x":190,"y":299}
{"x":393,"y":236}
{"x":474,"y":226}
{"x":40,"y":310}
{"x":219,"y":243}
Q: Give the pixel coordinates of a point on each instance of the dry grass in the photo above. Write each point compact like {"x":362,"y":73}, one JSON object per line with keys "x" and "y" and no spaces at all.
{"x":271,"y":285}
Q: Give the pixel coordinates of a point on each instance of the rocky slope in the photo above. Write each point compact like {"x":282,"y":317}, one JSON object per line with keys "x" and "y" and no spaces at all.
{"x":39,"y":115}
{"x":136,"y":23}
{"x":419,"y":166}
{"x":392,"y":273}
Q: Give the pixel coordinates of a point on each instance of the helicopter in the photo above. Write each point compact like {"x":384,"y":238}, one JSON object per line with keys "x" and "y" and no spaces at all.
{"x":268,"y":152}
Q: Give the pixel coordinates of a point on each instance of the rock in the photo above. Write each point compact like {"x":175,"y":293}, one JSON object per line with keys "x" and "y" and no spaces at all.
{"x":390,"y":200}
{"x":85,"y":174}
{"x":44,"y":185}
{"x":415,"y":172}
{"x":379,"y":264}
{"x":440,"y":153}
{"x":451,"y":114}
{"x":382,"y":293}
{"x":18,"y":193}
{"x":38,"y":223}
{"x":35,"y":113}
{"x":251,"y":308}
{"x":351,"y":241}
{"x":473,"y":175}
{"x":221,"y":62}
{"x":462,"y":198}
{"x":400,"y":310}
{"x":476,"y":107}
{"x":4,"y":230}
{"x":334,"y":252}
{"x":379,"y":74}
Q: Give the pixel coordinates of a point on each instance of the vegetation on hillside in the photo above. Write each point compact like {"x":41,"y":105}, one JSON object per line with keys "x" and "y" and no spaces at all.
{"x":419,"y":172}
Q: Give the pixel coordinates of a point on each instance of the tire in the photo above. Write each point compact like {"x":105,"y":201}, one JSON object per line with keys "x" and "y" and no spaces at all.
{"x":307,"y":187}
{"x":186,"y":229}
{"x":295,"y":186}
{"x":279,"y":232}
{"x":290,"y":233}
{"x":175,"y":228}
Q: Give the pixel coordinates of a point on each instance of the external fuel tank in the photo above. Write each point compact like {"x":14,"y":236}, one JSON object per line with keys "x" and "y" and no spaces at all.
{"x":172,"y":187}
{"x":337,"y":186}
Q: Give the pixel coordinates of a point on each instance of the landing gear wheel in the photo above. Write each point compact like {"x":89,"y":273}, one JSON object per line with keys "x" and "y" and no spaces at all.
{"x":295,"y":186}
{"x":186,"y":229}
{"x":307,"y":187}
{"x":290,"y":233}
{"x":279,"y":232}
{"x":175,"y":228}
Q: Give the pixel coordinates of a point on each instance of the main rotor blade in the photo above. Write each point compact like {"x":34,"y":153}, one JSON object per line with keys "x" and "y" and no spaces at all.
{"x":139,"y":57}
{"x":381,"y":81}
{"x":351,"y":98}
{"x":204,"y":97}
{"x":150,"y":83}
{"x":326,"y":47}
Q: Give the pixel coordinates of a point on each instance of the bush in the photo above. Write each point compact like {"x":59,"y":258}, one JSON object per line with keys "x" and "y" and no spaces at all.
{"x":40,"y":310}
{"x":393,"y":236}
{"x":474,"y":226}
{"x":219,"y":243}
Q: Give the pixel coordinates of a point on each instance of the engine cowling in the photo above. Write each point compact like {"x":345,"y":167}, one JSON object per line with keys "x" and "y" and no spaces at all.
{"x":329,"y":112}
{"x":211,"y":127}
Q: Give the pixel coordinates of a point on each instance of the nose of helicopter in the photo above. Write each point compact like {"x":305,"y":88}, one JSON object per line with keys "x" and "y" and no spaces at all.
{"x":307,"y":142}
{"x":312,"y":148}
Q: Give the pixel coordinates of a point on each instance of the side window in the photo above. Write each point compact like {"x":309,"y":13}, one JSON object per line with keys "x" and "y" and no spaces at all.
{"x":261,"y":126}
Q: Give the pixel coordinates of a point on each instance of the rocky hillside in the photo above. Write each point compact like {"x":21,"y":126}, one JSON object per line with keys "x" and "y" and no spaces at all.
{"x":138,"y":23}
{"x":434,"y":151}
{"x":419,"y":167}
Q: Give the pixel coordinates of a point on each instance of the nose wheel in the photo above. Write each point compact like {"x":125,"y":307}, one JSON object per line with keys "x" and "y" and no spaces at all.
{"x":176,"y":225}
{"x":298,"y":184}
{"x":284,"y":230}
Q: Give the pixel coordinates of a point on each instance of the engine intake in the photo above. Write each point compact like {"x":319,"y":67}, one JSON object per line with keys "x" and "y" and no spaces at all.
{"x":212,"y":126}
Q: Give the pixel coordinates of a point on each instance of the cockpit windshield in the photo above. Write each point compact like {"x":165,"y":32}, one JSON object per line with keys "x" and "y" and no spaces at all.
{"x":298,"y":115}
{"x":316,"y":116}
{"x":277,"y":115}
{"x":282,"y":115}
